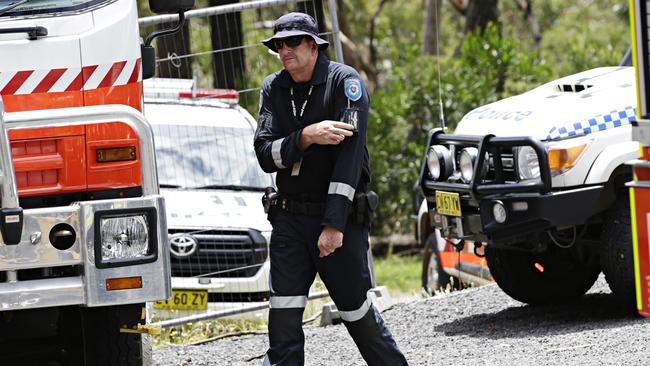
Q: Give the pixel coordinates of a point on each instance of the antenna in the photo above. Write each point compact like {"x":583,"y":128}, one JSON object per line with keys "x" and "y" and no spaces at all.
{"x":441,"y":111}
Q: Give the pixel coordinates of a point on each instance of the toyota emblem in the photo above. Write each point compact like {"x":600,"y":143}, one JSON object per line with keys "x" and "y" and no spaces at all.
{"x":182,"y":245}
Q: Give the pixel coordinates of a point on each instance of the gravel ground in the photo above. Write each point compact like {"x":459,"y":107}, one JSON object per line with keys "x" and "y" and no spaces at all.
{"x":476,"y":326}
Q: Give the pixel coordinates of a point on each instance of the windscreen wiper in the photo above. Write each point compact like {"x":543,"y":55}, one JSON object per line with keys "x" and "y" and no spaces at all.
{"x":233,"y":187}
{"x":33,"y":33}
{"x":163,"y":185}
{"x":12,"y":6}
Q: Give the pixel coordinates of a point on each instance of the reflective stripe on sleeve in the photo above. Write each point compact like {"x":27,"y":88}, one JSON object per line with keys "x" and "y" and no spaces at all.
{"x":342,"y":189}
{"x":287,"y":302}
{"x":354,"y":315}
{"x":275,"y":153}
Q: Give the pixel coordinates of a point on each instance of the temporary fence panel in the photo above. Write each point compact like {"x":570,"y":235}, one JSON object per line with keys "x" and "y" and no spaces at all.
{"x":202,"y":106}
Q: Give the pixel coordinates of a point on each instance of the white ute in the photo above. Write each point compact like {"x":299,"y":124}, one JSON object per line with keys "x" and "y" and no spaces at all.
{"x":540,"y":179}
{"x":212,"y":184}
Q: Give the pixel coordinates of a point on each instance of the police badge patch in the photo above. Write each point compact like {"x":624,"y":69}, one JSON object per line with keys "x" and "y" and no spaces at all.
{"x":353,"y":89}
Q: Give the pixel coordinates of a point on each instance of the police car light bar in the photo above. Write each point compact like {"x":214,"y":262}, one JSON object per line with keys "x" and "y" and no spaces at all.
{"x":225,"y":95}
{"x":185,"y":89}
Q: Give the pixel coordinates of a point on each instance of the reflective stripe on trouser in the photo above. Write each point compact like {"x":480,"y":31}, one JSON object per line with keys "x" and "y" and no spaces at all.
{"x":294,"y":263}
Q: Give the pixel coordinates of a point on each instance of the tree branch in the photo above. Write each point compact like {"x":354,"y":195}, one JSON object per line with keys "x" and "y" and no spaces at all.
{"x":373,"y":22}
{"x":460,"y":5}
{"x":526,"y":6}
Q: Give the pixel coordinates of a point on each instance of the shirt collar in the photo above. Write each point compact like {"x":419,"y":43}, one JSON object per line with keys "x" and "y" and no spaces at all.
{"x":319,"y":76}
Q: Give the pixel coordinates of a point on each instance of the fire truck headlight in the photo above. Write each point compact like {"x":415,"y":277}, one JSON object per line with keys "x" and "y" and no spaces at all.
{"x":125,"y":238}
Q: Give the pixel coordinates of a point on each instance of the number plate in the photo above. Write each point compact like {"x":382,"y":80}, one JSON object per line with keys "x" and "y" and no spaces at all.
{"x":448,"y":203}
{"x":184,"y":300}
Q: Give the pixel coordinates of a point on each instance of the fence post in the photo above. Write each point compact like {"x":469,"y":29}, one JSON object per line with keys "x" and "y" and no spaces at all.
{"x":335,"y":32}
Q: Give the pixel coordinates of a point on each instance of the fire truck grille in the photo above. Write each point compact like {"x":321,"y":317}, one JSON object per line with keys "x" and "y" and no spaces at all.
{"x":45,"y":150}
{"x":218,"y":253}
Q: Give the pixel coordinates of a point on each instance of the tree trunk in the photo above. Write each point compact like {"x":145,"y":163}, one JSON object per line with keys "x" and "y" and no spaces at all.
{"x":228,"y":66}
{"x":526,"y":6}
{"x":431,"y":26}
{"x":479,"y":13}
{"x":315,"y":9}
{"x":168,"y":48}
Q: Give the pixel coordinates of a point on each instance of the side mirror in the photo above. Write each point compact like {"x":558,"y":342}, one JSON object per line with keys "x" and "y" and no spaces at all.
{"x":146,"y":49}
{"x":170,"y":6}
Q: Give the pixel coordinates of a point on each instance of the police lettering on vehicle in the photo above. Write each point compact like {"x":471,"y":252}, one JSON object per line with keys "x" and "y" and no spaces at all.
{"x":493,"y":114}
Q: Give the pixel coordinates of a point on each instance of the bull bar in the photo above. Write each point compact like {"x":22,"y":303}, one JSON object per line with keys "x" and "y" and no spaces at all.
{"x":35,"y":251}
{"x":487,"y":143}
{"x":545,"y":209}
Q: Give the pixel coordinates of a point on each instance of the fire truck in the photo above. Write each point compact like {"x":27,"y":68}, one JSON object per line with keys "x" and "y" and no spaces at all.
{"x":84,"y":237}
{"x":640,"y":187}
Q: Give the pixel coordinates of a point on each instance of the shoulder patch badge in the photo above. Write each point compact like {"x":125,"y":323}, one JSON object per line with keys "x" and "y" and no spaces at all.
{"x":353,"y":89}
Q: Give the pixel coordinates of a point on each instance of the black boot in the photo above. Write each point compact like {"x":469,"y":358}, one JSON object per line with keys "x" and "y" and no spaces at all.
{"x":376,"y":344}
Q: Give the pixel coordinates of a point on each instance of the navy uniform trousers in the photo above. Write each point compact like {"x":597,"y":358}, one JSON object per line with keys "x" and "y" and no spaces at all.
{"x":294,"y":264}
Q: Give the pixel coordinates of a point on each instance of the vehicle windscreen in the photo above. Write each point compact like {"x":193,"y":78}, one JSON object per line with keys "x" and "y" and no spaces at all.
{"x":33,"y":7}
{"x":202,"y":156}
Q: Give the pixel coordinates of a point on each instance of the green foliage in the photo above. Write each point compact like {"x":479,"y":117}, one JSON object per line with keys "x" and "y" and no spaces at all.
{"x":400,"y":274}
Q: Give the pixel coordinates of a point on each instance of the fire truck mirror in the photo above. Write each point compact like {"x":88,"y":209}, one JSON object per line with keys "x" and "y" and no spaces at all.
{"x":170,"y":6}
{"x":148,"y":61}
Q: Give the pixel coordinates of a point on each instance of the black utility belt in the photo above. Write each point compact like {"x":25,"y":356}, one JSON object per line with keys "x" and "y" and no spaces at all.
{"x":364,"y":205}
{"x":300,"y":207}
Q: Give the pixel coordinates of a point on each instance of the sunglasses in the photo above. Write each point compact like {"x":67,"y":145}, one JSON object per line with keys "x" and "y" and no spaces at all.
{"x":291,"y":42}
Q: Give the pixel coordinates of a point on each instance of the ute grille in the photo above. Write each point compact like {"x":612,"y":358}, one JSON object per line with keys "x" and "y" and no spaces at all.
{"x":221,"y":253}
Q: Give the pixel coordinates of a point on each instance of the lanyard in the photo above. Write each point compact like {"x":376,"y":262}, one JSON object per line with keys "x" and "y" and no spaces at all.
{"x":304,"y":105}
{"x":295,"y":171}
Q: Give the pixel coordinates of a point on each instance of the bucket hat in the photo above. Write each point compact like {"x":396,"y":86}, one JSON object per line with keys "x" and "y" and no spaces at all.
{"x":294,"y":24}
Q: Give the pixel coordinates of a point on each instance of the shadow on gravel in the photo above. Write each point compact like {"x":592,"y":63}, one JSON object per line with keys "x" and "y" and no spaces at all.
{"x":594,"y":311}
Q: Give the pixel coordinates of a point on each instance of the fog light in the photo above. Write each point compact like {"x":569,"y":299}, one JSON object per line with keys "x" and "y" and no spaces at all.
{"x":499,"y":212}
{"x":125,"y":237}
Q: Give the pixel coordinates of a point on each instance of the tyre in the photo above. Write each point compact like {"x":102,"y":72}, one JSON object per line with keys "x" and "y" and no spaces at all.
{"x":551,"y":277}
{"x":434,"y":278}
{"x":103,"y":344}
{"x":616,"y":257}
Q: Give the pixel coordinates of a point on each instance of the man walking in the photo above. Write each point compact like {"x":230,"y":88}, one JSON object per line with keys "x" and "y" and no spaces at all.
{"x":321,"y":214}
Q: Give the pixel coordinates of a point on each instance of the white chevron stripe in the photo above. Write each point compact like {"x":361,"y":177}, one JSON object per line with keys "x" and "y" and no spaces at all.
{"x":68,"y":77}
{"x":5,"y":78}
{"x":126,"y":73}
{"x":65,"y":80}
{"x":32,"y":82}
{"x":97,"y":76}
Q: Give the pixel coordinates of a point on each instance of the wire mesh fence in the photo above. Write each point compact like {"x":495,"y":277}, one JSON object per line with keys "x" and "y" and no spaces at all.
{"x":219,"y":47}
{"x":202,"y":106}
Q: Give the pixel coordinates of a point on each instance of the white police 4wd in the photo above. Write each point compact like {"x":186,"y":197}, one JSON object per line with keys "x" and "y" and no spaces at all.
{"x":212,"y":184}
{"x":539,"y":178}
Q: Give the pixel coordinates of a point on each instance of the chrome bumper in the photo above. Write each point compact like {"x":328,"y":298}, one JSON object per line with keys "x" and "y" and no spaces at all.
{"x":90,"y":288}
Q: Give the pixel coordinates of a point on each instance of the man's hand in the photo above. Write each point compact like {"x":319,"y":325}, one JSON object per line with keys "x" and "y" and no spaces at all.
{"x":330,"y":239}
{"x":325,"y":133}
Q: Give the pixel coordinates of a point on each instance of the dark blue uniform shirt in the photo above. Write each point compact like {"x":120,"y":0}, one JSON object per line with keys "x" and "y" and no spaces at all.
{"x":328,"y":173}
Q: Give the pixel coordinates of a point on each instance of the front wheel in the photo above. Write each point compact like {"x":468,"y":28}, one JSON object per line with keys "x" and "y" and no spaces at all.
{"x":617,"y":257}
{"x":540,"y":278}
{"x":434,"y":278}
